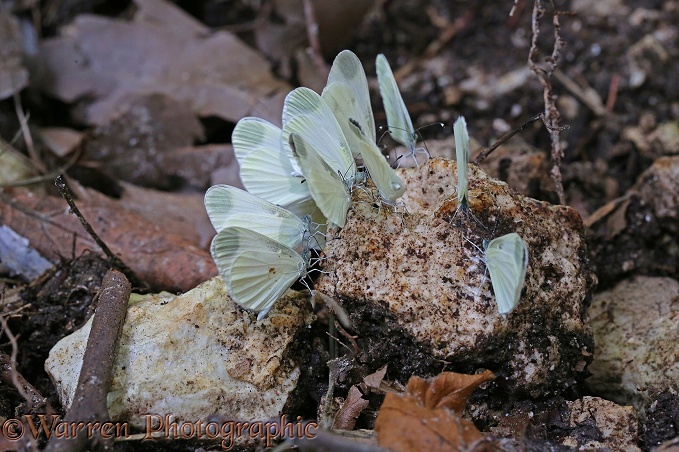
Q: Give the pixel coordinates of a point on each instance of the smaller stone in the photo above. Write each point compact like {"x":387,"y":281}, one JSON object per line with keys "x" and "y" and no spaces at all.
{"x":600,"y":424}
{"x":635,"y":337}
{"x":195,"y":355}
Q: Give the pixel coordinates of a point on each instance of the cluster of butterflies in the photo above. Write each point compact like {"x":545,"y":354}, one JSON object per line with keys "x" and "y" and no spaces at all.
{"x":299,"y":179}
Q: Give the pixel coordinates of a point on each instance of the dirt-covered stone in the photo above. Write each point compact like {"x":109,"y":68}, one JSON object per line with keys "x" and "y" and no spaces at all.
{"x":195,"y":355}
{"x":415,"y":287}
{"x":635,"y":334}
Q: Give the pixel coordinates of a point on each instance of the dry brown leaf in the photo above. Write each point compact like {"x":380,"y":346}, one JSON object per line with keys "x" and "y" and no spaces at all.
{"x":345,"y":419}
{"x":113,"y":62}
{"x":181,"y":214}
{"x":131,"y":146}
{"x":374,"y":380}
{"x":203,"y":166}
{"x":164,"y":260}
{"x":448,"y":389}
{"x":422,"y":420}
{"x":403,"y":425}
{"x":62,"y":141}
{"x":163,"y":13}
{"x":13,"y":76}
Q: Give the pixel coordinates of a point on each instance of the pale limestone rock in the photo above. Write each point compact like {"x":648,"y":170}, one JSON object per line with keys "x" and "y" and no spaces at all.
{"x":615,"y":428}
{"x":635,"y":334}
{"x":195,"y":355}
{"x":413,"y":284}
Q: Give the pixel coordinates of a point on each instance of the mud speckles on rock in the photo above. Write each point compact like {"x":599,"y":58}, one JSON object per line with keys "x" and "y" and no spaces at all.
{"x":237,"y":365}
{"x":429,"y":296}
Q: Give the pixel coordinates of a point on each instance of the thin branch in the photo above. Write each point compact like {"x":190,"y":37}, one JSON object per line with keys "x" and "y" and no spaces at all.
{"x":486,"y":152}
{"x":115,"y":260}
{"x":28,"y":139}
{"x":551,"y":115}
{"x":89,"y":402}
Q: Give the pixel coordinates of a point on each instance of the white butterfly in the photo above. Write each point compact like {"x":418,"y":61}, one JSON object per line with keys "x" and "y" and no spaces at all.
{"x":348,"y":97}
{"x":328,"y":186}
{"x":229,"y":206}
{"x":267,"y":167}
{"x":398,"y":119}
{"x":507,"y":260}
{"x":322,"y":152}
{"x":462,"y":156}
{"x":257,"y":269}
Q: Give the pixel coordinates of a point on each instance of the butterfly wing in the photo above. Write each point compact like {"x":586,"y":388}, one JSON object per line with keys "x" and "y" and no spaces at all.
{"x":398,"y":119}
{"x":256,"y":269}
{"x":305,"y":113}
{"x":348,"y":97}
{"x":462,"y":156}
{"x":507,"y":261}
{"x":265,"y":166}
{"x":385,"y":178}
{"x":326,"y":185}
{"x":230,"y":206}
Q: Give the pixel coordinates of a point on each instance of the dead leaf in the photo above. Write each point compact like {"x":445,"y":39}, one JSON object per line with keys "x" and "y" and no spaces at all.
{"x":181,"y":214}
{"x":13,"y":76}
{"x":14,"y":166}
{"x":448,"y":389}
{"x":62,"y":141}
{"x":425,"y":418}
{"x":403,"y":425}
{"x":160,"y":12}
{"x":345,"y":419}
{"x":131,"y":146}
{"x":374,"y":380}
{"x":114,"y":62}
{"x":164,"y":260}
{"x":203,"y":166}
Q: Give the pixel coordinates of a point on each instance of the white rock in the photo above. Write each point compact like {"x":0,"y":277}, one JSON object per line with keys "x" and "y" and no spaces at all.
{"x":635,"y":334}
{"x":195,"y":355}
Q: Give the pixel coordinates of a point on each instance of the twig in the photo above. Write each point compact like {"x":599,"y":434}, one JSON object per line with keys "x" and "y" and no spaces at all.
{"x":314,"y":41}
{"x":486,"y":152}
{"x":448,"y":30}
{"x":115,"y":260}
{"x":612,"y":93}
{"x":10,"y":375}
{"x":551,"y":114}
{"x":28,"y":139}
{"x":586,"y":94}
{"x":89,"y":402}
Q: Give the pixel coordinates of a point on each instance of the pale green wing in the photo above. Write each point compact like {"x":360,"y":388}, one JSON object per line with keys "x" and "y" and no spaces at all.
{"x":348,"y":97}
{"x":257,"y":270}
{"x":265,"y":166}
{"x":398,"y":119}
{"x":507,"y":261}
{"x":230,"y":206}
{"x":385,"y":178}
{"x":326,"y":184}
{"x":305,"y":113}
{"x":462,"y":156}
